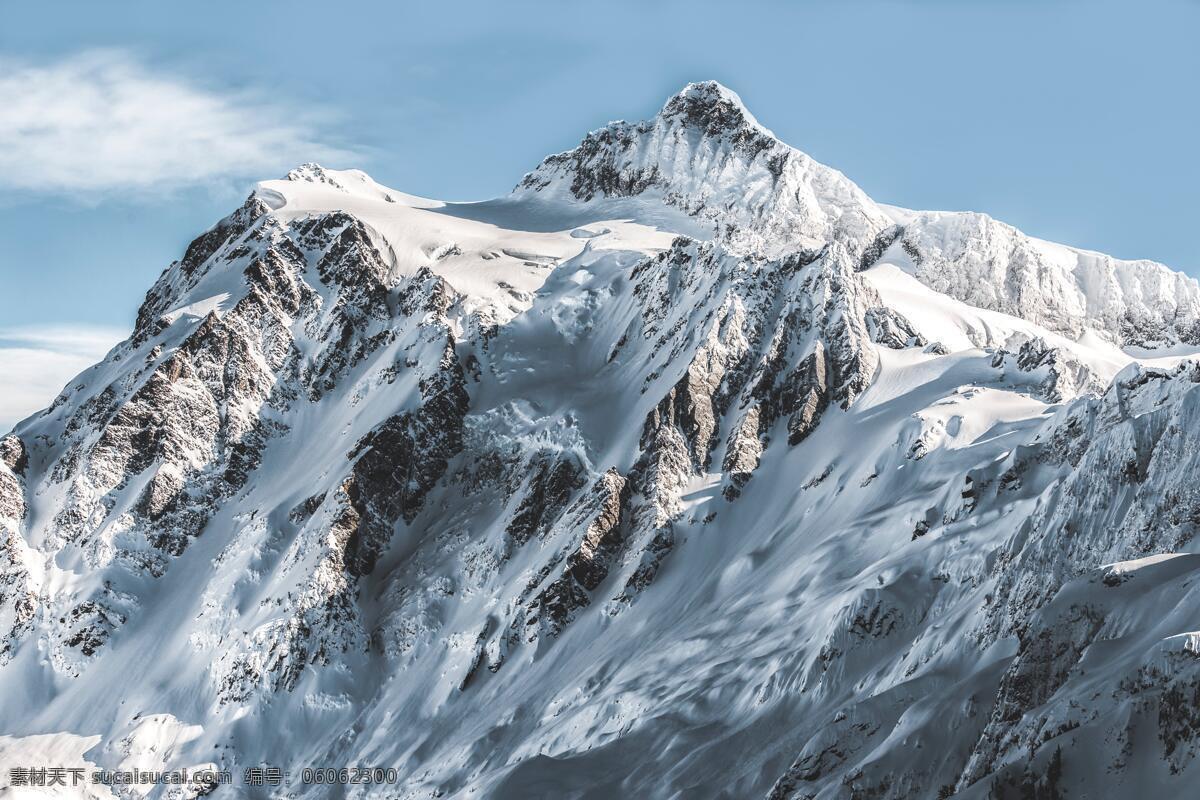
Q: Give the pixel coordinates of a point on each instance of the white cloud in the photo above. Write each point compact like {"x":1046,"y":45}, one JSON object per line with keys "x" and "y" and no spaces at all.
{"x":103,"y":121}
{"x":37,"y":362}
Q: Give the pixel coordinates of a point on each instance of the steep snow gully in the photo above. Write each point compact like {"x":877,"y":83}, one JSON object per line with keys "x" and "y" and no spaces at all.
{"x":685,"y":470}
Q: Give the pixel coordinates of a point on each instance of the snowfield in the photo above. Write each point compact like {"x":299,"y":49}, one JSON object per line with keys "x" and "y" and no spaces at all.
{"x":685,"y":470}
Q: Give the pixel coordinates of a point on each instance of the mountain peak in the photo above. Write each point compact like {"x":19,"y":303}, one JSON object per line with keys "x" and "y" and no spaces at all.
{"x":705,"y":154}
{"x":308,"y":171}
{"x":712,"y":107}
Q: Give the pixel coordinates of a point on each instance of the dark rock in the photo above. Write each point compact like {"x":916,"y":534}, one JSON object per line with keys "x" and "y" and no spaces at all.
{"x":13,"y":453}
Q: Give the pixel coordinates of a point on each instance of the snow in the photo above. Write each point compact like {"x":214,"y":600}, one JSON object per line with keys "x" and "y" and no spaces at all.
{"x":52,"y":749}
{"x":865,"y":613}
{"x":961,"y":327}
{"x":991,"y":265}
{"x":468,"y":244}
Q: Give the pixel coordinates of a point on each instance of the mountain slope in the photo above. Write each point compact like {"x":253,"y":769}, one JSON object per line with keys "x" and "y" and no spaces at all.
{"x":685,"y":468}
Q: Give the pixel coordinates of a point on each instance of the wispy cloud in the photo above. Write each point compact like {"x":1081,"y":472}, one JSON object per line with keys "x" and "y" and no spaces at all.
{"x":104,"y":121}
{"x":37,"y":362}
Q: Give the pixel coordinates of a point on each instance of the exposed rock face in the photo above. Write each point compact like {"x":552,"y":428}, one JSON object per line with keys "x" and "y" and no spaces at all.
{"x":398,"y":463}
{"x":13,"y":454}
{"x":18,"y":592}
{"x":186,"y":273}
{"x":13,"y":462}
{"x":586,"y":566}
{"x":551,"y":485}
{"x":1053,"y":374}
{"x":683,"y":471}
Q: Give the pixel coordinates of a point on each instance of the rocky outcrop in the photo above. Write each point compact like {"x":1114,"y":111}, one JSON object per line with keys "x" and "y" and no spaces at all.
{"x":1051,"y":373}
{"x":586,"y":566}
{"x":14,"y":454}
{"x":395,"y":465}
{"x":820,"y":353}
{"x":13,"y":462}
{"x":182,"y":276}
{"x":552,"y":483}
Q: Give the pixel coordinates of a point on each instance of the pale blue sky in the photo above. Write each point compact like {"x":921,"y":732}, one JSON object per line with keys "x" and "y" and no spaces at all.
{"x":1075,"y":121}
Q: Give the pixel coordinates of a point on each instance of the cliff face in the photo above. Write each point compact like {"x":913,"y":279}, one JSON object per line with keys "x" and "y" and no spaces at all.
{"x":686,"y":468}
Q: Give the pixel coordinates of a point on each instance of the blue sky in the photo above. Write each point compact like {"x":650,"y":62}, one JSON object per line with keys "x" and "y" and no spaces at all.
{"x":134,"y":126}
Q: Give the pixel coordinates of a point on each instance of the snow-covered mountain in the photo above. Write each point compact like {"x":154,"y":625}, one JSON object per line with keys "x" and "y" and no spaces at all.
{"x":687,"y":469}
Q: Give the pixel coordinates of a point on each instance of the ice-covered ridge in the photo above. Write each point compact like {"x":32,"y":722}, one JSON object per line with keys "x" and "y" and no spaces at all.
{"x":989,"y":264}
{"x":707,"y":155}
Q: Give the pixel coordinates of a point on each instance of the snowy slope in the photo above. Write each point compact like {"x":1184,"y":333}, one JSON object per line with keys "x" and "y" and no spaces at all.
{"x":988,"y":264}
{"x":686,"y":469}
